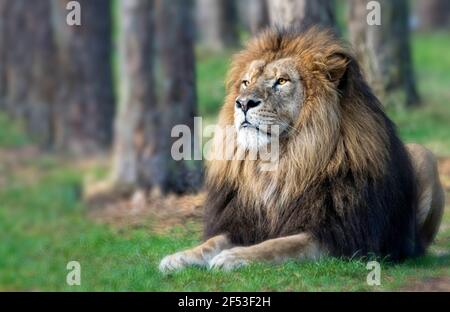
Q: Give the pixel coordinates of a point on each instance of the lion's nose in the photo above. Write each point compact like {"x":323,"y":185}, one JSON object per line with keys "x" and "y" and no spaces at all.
{"x":246,"y":104}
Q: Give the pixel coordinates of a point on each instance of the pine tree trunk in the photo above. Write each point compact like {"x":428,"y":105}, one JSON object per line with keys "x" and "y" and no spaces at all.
{"x":257,"y":15}
{"x":136,"y":121}
{"x":85,"y":102}
{"x":4,"y":4}
{"x":41,"y":90}
{"x":27,"y":65}
{"x":384,"y":50}
{"x":217,"y":22}
{"x":302,"y":13}
{"x":434,"y":14}
{"x":178,"y":99}
{"x":17,"y":61}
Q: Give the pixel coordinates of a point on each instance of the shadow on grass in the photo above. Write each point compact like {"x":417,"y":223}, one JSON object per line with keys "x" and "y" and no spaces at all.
{"x":428,"y":261}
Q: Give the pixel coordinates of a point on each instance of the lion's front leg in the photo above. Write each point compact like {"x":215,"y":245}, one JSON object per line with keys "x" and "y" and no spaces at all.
{"x":296,"y":247}
{"x":199,"y":255}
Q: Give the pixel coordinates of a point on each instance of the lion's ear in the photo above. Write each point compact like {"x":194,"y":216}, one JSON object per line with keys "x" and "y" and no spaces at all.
{"x":337,"y":66}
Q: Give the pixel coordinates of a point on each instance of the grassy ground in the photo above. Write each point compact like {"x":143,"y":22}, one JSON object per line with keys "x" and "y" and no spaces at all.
{"x":44,"y":224}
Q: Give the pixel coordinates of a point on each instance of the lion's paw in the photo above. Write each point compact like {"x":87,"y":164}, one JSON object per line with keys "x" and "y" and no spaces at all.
{"x":228,"y":260}
{"x":178,"y":261}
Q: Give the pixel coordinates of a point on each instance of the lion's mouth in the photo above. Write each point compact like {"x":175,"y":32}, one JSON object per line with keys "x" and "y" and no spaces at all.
{"x":247,"y":125}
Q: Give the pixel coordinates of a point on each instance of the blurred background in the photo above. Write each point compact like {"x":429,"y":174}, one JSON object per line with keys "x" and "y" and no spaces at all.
{"x":86,"y":113}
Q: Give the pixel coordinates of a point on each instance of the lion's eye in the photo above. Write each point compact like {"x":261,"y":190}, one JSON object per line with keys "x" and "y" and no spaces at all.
{"x":245,"y":83}
{"x":281,"y":81}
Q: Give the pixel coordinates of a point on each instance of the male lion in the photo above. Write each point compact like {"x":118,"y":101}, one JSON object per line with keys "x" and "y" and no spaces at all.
{"x":345,"y":184}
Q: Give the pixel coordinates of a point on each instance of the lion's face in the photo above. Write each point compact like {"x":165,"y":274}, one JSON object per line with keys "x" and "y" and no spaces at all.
{"x":271,"y":94}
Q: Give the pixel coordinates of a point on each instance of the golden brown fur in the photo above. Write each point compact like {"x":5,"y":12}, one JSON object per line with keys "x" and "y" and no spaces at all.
{"x":430,"y":192}
{"x":344,"y":185}
{"x":318,"y":150}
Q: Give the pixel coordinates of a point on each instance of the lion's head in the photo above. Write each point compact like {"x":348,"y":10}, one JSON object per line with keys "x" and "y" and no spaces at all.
{"x":310,"y":86}
{"x":276,"y":78}
{"x":342,"y":174}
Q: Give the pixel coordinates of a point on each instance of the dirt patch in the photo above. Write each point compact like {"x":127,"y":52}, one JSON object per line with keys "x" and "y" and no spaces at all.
{"x":18,"y":155}
{"x":16,"y":162}
{"x":429,"y":284}
{"x":149,"y":209}
{"x":28,"y":164}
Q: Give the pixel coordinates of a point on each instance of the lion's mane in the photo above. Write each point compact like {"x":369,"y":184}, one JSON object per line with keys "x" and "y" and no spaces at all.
{"x":343,"y":175}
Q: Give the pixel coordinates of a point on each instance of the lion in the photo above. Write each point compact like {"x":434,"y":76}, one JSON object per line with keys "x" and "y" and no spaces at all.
{"x":345,"y":185}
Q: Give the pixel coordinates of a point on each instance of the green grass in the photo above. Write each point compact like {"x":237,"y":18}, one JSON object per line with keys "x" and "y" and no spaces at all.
{"x":44,"y":225}
{"x":211,"y":72}
{"x":11,"y":134}
{"x":429,"y":124}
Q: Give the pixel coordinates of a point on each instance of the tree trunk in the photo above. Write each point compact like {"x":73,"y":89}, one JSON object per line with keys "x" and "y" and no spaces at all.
{"x":136,"y":122}
{"x":4,"y":5}
{"x":85,"y":101}
{"x":42,"y":84}
{"x":384,"y":50}
{"x":257,"y":15}
{"x":178,"y":99}
{"x":302,"y":13}
{"x":434,"y":14}
{"x":217,"y":22}
{"x":27,"y":75}
{"x":17,"y":62}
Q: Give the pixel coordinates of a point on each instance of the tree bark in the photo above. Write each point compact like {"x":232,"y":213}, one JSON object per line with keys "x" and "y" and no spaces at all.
{"x":384,"y":50}
{"x":42,"y":84}
{"x":17,"y":61}
{"x":257,"y":15}
{"x":136,"y":122}
{"x":85,"y":102}
{"x":434,"y":14}
{"x":217,"y":22}
{"x":27,"y":56}
{"x":178,"y":96}
{"x":3,"y":50}
{"x":302,"y":13}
